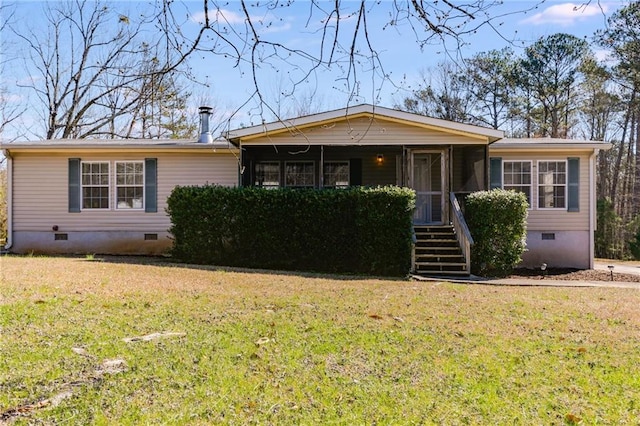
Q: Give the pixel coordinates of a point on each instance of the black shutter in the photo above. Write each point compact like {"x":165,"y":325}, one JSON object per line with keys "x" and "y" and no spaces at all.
{"x":74,"y":185}
{"x":355,"y":172}
{"x":573,"y":190}
{"x":150,"y":185}
{"x":495,"y":172}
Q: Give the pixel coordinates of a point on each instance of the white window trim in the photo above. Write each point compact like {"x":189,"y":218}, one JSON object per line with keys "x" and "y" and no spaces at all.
{"x":83,"y":186}
{"x":534,"y":175}
{"x":116,"y":186}
{"x":566,"y":184}
{"x":313,"y":163}
{"x":113,"y":193}
{"x":341,"y":162}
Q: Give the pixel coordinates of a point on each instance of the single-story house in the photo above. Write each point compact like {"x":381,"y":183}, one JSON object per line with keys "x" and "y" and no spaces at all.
{"x":109,"y":196}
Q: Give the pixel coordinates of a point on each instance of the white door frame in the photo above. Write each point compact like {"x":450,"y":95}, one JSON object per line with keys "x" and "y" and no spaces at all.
{"x":443,"y":182}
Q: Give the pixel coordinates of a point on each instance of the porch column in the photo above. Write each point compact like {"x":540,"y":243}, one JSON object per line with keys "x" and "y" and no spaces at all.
{"x":487,"y":162}
{"x":405,"y":167}
{"x":321,"y":170}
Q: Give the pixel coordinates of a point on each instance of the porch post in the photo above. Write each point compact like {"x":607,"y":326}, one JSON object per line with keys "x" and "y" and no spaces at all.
{"x":321,"y":171}
{"x":487,"y":162}
{"x":241,"y":167}
{"x":403,"y":166}
{"x":449,"y":185}
{"x":406,"y":167}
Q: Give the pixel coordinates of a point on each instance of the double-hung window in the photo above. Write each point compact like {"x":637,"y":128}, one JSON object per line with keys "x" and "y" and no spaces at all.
{"x":113,"y":185}
{"x":336,"y":174}
{"x":552,"y":184}
{"x":129,"y":184}
{"x":517,"y":177}
{"x":299,"y":174}
{"x":95,"y":185}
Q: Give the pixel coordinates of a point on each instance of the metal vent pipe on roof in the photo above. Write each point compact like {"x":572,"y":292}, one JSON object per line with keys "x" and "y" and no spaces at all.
{"x":205,"y":133}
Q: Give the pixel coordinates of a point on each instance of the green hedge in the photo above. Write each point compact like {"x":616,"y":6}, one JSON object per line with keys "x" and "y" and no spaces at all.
{"x":357,"y":230}
{"x":497,"y":220}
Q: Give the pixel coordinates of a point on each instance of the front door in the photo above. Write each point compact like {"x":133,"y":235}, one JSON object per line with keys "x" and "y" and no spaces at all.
{"x":428,"y":181}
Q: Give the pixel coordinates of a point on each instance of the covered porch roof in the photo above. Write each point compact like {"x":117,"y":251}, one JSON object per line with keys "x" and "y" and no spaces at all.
{"x":354,"y":121}
{"x":547,"y":145}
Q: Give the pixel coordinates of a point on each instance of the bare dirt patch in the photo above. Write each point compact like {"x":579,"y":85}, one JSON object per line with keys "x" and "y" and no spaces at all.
{"x":567,"y":274}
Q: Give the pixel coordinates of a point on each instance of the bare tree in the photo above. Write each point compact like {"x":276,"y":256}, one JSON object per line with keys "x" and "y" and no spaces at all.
{"x":345,"y":39}
{"x":88,"y":66}
{"x":288,"y":104}
{"x":160,"y":110}
{"x":10,"y":111}
{"x":93,"y":62}
{"x":442,"y":93}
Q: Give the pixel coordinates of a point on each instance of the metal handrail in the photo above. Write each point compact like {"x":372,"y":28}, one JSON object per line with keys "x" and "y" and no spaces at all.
{"x":462,"y":230}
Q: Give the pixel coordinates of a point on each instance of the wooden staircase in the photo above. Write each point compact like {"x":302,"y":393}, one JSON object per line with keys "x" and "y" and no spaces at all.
{"x":437,"y":252}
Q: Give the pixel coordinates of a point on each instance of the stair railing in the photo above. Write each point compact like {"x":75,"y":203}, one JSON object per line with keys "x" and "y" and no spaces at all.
{"x":462,"y":230}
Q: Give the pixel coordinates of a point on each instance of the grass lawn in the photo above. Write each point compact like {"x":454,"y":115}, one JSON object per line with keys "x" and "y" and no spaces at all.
{"x":273,"y":348}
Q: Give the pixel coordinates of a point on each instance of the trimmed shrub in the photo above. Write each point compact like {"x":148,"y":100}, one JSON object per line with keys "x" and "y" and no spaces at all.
{"x":356,"y":230}
{"x":497,"y":220}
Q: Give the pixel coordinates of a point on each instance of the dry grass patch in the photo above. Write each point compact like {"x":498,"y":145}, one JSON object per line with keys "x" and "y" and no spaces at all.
{"x":244,"y":346}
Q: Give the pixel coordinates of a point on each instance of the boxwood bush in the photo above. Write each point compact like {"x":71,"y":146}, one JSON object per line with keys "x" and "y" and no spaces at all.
{"x":497,"y":220}
{"x":356,"y":230}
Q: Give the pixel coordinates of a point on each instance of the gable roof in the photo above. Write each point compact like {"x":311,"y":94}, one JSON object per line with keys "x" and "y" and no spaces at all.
{"x":297,"y":124}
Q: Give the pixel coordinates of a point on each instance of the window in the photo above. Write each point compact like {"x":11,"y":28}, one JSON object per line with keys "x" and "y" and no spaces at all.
{"x":267,"y":174}
{"x":517,"y":177}
{"x":135,"y":185}
{"x":299,"y":174}
{"x":129,"y":185}
{"x":552,"y":184}
{"x":95,"y":185}
{"x":336,"y":174}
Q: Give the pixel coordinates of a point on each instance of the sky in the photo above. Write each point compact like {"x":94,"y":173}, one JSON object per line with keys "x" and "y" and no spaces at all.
{"x":229,"y":85}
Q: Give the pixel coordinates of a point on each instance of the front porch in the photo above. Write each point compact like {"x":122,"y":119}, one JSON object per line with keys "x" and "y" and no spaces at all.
{"x":433,"y":171}
{"x":440,"y":175}
{"x":367,"y":145}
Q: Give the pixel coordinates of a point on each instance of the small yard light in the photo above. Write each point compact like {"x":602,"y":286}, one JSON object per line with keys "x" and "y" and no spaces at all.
{"x":611,"y":269}
{"x":380,"y":159}
{"x":543,"y":268}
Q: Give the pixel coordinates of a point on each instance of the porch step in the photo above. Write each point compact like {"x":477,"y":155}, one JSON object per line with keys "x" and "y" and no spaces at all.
{"x":442,"y":269}
{"x":436,"y":242}
{"x":437,"y":252}
{"x":434,"y":249}
{"x":437,"y":257}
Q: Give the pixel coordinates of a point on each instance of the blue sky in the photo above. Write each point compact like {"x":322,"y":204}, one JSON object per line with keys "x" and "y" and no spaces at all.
{"x":229,"y":86}
{"x":401,"y":56}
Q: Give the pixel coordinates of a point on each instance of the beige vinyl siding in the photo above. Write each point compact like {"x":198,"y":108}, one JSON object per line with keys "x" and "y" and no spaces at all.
{"x":554,"y":219}
{"x":196,"y":169}
{"x":40,"y":190}
{"x":366,"y":132}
